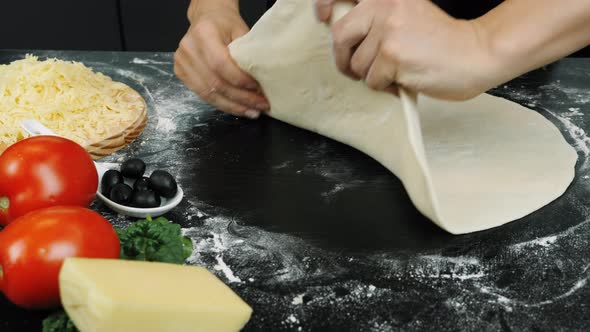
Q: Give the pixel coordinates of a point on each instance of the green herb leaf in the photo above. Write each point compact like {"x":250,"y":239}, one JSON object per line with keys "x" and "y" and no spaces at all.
{"x":59,"y":322}
{"x":155,"y":240}
{"x":187,"y":247}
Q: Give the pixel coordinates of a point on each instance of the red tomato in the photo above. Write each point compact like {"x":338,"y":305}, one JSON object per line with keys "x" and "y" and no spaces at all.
{"x":33,"y":248}
{"x":44,"y":171}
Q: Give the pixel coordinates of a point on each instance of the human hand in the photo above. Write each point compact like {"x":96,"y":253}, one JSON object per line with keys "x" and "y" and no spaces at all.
{"x":411,"y":43}
{"x":203,"y":62}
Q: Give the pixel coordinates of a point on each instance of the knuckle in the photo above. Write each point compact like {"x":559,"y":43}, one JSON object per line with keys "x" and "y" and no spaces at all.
{"x":393,"y":24}
{"x":200,"y":28}
{"x":242,"y":81}
{"x":390,"y":52}
{"x":337,"y":37}
{"x":178,"y":71}
{"x":184,"y":44}
{"x":356,"y":67}
{"x":251,"y":101}
{"x":178,"y":60}
{"x":372,"y":83}
{"x":205,"y":94}
{"x":342,"y":66}
{"x":218,"y":64}
{"x":216,"y":86}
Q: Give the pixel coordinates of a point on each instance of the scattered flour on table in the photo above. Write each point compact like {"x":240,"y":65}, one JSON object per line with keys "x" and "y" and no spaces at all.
{"x":298,"y":300}
{"x":337,"y":188}
{"x":579,"y":96}
{"x":165,"y":124}
{"x":283,"y":165}
{"x":150,"y":62}
{"x":581,"y":139}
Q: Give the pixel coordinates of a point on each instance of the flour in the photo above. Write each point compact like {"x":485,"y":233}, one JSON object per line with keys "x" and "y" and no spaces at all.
{"x":548,"y":241}
{"x":298,"y":300}
{"x":581,"y":139}
{"x":283,"y":165}
{"x":509,"y":303}
{"x":150,"y":61}
{"x":229,"y":274}
{"x":165,"y":124}
{"x":218,"y":246}
{"x":138,"y":79}
{"x":573,"y":111}
{"x":578,"y":95}
{"x":540,"y":242}
{"x":337,"y":188}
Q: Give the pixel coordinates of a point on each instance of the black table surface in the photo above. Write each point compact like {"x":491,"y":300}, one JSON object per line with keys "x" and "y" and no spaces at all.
{"x":317,"y":236}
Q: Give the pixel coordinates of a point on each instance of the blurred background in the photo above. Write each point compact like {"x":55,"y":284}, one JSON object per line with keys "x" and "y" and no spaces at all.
{"x":133,"y":25}
{"x":110,"y":25}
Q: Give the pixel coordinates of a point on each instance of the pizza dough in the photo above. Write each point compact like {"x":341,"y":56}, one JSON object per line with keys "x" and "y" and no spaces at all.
{"x":70,"y":99}
{"x":467,"y":166}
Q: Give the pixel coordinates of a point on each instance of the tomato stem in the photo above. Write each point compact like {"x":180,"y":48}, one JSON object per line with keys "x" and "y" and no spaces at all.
{"x":4,"y":203}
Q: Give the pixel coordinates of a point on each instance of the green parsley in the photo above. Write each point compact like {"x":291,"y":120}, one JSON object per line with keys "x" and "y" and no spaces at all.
{"x":155,"y":240}
{"x":59,"y":322}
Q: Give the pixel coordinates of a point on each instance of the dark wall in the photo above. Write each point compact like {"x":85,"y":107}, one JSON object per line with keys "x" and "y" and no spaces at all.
{"x":133,"y":25}
{"x":59,"y":24}
{"x":153,"y":25}
{"x":116,"y":25}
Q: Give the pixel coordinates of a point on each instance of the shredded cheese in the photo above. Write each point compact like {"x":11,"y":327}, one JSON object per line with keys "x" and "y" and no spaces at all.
{"x":67,"y":97}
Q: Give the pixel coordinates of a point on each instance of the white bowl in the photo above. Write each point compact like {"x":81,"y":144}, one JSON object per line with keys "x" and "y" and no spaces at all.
{"x":165,"y":206}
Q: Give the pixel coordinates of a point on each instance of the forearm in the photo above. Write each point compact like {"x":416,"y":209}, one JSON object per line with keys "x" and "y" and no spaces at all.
{"x":198,"y":5}
{"x":521,"y":35}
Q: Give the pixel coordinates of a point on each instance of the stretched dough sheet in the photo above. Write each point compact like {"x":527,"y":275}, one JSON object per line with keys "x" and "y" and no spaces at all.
{"x":467,"y":166}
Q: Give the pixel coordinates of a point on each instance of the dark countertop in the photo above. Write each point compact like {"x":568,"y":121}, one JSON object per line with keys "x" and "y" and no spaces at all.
{"x":316,"y":236}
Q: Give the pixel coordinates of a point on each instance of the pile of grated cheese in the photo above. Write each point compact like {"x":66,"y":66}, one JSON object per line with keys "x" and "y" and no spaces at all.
{"x":67,"y":97}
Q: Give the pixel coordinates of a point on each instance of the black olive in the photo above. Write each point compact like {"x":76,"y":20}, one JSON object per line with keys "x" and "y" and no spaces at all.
{"x":121,"y":193}
{"x":141,"y":184}
{"x":163,"y":183}
{"x":133,"y":168}
{"x":145,"y":199}
{"x":109,"y":179}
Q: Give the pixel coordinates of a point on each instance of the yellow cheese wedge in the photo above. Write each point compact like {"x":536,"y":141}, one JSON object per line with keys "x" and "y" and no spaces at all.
{"x":116,"y":295}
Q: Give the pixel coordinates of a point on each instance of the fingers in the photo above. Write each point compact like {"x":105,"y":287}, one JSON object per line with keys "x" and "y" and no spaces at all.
{"x":364,"y":56}
{"x":323,"y":9}
{"x":218,"y":93}
{"x":220,"y":61}
{"x":348,"y":33}
{"x":219,"y":86}
{"x":327,"y":11}
{"x":383,"y":72}
{"x":360,"y":50}
{"x":205,"y":65}
{"x":210,"y":95}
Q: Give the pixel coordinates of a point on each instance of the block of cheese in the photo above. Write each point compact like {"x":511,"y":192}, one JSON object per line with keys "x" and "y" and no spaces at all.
{"x":117,"y":295}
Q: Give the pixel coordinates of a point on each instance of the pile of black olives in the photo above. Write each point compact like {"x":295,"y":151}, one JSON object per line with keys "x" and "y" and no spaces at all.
{"x":147,"y":192}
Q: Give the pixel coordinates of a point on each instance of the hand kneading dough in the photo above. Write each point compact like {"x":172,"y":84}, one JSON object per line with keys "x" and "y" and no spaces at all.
{"x":468,"y":166}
